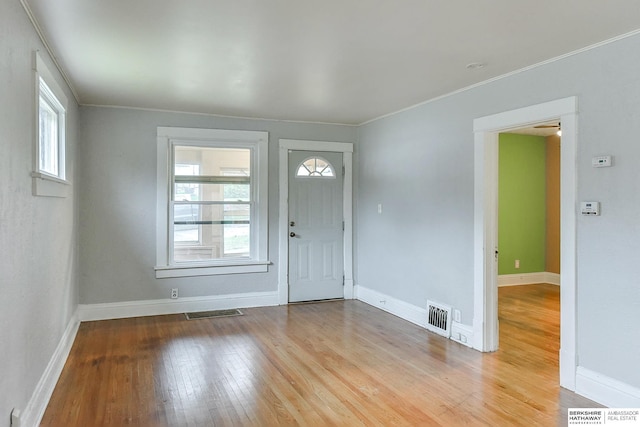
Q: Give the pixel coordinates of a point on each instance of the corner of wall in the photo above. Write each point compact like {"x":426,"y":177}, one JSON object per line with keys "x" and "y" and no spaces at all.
{"x":460,"y":333}
{"x":34,"y":411}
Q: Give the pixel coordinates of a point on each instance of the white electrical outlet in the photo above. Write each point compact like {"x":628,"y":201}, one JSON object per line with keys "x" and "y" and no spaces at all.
{"x":517,"y":264}
{"x":456,"y":316}
{"x":174,"y":293}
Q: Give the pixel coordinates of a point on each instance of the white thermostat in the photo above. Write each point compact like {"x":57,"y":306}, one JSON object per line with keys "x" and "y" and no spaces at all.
{"x":590,"y":208}
{"x":601,"y":161}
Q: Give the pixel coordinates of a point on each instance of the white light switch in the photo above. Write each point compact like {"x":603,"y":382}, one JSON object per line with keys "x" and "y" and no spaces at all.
{"x":379,"y":208}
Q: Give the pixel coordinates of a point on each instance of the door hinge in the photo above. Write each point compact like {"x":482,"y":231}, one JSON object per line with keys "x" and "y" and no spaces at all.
{"x":342,"y":225}
{"x":343,"y":280}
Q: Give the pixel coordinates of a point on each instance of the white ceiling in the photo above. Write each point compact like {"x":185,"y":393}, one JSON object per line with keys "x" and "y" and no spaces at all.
{"x":336,"y":61}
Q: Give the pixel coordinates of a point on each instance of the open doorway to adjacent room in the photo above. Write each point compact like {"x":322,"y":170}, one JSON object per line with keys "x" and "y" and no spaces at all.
{"x":529,"y":249}
{"x":486,"y":248}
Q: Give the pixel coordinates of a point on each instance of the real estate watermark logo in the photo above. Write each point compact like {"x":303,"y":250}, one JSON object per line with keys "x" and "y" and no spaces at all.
{"x":603,"y":416}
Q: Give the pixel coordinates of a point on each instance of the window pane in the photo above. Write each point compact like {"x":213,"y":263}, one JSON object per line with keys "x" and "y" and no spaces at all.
{"x":209,"y":232}
{"x":212,"y":174}
{"x":193,"y":192}
{"x":315,"y":167}
{"x":186,"y":229}
{"x":48,"y":123}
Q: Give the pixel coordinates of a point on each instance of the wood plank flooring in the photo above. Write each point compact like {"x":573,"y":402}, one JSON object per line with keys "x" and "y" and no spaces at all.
{"x":336,"y":363}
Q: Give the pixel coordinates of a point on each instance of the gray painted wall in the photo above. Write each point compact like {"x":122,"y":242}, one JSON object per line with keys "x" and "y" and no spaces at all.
{"x":37,"y":234}
{"x":118,"y":201}
{"x":419,"y":164}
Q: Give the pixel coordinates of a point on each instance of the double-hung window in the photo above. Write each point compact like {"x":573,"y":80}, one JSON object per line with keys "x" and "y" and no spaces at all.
{"x":212,"y":202}
{"x":49,"y":174}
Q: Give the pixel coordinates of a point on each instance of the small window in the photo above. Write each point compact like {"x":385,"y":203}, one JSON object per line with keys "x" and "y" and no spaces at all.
{"x":49,"y":165}
{"x":315,"y":167}
{"x":50,"y":138}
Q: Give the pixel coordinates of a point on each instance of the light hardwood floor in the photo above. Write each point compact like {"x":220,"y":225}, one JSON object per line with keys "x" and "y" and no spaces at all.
{"x":335,"y":363}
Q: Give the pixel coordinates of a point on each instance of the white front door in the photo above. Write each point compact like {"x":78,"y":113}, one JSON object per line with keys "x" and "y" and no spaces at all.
{"x":316,"y":263}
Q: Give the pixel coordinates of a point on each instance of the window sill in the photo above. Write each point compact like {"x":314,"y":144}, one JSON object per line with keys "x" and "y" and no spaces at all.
{"x":166,"y":272}
{"x":49,"y":186}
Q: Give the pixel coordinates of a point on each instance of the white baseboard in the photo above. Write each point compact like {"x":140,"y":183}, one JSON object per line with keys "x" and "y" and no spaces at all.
{"x":392,"y":305}
{"x":528,"y":279}
{"x":606,"y":391}
{"x":119,"y":310}
{"x":462,"y":333}
{"x":32,"y":414}
{"x":552,"y":278}
{"x":411,"y":313}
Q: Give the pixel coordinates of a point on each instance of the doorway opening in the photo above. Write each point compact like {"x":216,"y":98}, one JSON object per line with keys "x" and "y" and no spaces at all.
{"x":529,"y":249}
{"x":486,"y":130}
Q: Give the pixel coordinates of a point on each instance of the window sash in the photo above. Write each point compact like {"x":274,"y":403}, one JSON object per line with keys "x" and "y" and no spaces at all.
{"x":202,"y":180}
{"x":51,"y":123}
{"x":221,"y":232}
{"x":48,"y":127}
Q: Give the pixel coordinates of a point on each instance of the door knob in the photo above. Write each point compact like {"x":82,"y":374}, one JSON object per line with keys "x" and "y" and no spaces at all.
{"x":292,"y":234}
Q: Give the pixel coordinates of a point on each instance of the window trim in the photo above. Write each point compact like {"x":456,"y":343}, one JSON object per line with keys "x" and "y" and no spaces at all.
{"x":45,"y":183}
{"x":167,"y":138}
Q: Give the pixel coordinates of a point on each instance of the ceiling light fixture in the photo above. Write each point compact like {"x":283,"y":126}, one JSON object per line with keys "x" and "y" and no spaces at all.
{"x":476,"y":65}
{"x":547,"y":126}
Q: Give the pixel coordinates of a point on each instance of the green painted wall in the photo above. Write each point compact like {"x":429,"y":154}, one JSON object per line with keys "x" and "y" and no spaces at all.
{"x":522,"y":203}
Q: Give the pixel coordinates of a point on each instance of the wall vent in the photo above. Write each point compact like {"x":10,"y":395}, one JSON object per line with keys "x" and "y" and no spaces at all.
{"x":213,"y":313}
{"x":439,"y":318}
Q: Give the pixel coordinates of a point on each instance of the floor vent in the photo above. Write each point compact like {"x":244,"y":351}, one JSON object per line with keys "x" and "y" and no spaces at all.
{"x":213,"y":313}
{"x":439,"y":318}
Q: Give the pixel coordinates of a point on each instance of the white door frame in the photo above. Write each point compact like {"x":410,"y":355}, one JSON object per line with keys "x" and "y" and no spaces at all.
{"x":346,"y":148}
{"x":486,"y":130}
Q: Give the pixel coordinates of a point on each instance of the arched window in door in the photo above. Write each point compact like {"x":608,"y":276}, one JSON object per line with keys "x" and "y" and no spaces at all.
{"x":315,"y":167}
